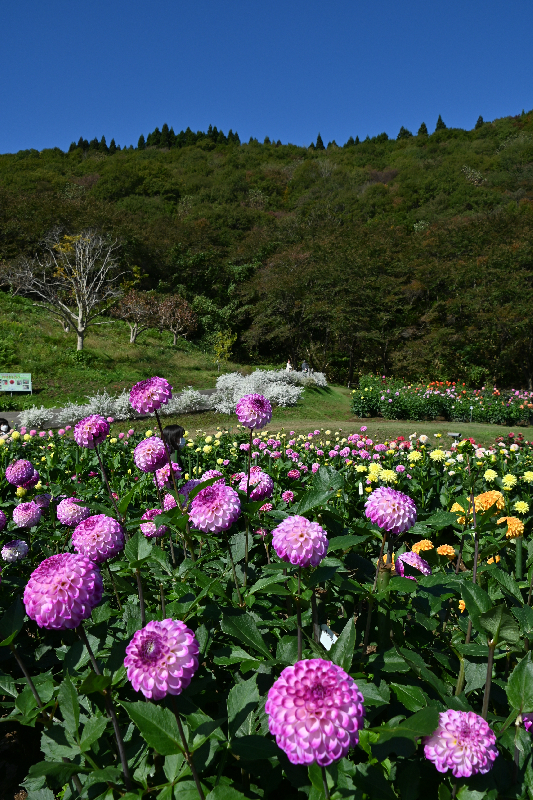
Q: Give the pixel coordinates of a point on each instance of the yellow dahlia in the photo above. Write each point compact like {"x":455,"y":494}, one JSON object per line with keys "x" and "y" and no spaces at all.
{"x":521,"y":506}
{"x":490,"y":475}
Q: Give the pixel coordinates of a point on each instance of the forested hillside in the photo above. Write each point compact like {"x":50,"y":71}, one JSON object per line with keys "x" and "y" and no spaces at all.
{"x":411,"y":256}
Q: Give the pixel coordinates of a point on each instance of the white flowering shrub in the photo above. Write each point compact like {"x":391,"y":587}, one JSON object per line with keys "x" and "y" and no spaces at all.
{"x":72,"y":413}
{"x":187,"y":401}
{"x":36,"y":417}
{"x":281,"y":387}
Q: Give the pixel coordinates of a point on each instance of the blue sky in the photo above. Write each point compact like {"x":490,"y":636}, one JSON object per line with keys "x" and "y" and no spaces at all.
{"x":281,"y":68}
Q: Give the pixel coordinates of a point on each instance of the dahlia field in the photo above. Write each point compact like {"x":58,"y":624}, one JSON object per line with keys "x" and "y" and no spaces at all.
{"x":255,"y":614}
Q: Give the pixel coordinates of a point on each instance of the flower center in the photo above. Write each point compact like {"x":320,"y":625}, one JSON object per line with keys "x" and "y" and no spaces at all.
{"x":319,"y":691}
{"x":151,"y":648}
{"x":464,"y":735}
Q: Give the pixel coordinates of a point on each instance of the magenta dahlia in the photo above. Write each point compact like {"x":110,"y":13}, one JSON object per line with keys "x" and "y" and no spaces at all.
{"x":98,"y":537}
{"x":315,"y":711}
{"x":463,"y":743}
{"x":149,"y":395}
{"x":70,"y":513}
{"x":254,"y":411}
{"x":91,"y":431}
{"x":527,"y":719}
{"x":261,"y":484}
{"x":15,"y":550}
{"x":62,"y":591}
{"x":287,"y":496}
{"x":391,"y":510}
{"x":300,"y":542}
{"x":414,"y":560}
{"x":215,"y":508}
{"x":148,"y":528}
{"x":169,"y":501}
{"x":162,"y":658}
{"x":19,"y":472}
{"x":150,"y":454}
{"x":163,"y":478}
{"x":212,"y":473}
{"x":26,"y":515}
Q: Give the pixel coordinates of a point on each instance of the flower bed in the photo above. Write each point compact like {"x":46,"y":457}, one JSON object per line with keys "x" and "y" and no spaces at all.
{"x":319,"y":615}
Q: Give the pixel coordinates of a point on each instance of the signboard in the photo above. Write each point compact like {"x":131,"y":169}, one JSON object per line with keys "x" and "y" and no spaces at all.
{"x":15,"y":382}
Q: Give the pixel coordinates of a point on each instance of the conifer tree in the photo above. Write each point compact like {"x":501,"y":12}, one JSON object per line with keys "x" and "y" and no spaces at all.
{"x":80,"y":142}
{"x":266,"y":140}
{"x":357,"y":140}
{"x":423,"y":130}
{"x":141,"y":144}
{"x":350,"y":142}
{"x":72,"y":147}
{"x":404,"y":134}
{"x":112,"y":147}
{"x":93,"y":144}
{"x":236,"y":139}
{"x":319,"y":143}
{"x":163,"y":139}
{"x":171,"y":138}
{"x":441,"y":125}
{"x":479,"y":123}
{"x":103,"y":145}
{"x":278,"y":143}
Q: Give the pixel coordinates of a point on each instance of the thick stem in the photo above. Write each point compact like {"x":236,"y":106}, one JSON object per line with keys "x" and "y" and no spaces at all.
{"x":141,"y":597}
{"x":518,"y":560}
{"x":187,"y":752}
{"x":460,"y":678}
{"x":488,"y":682}
{"x":163,"y":607}
{"x":325,"y":784}
{"x":234,"y":574}
{"x":368,"y":625}
{"x":110,"y":710}
{"x":104,"y":475}
{"x":459,"y":556}
{"x":530,"y":588}
{"x":26,"y":675}
{"x":384,"y":539}
{"x":114,"y":585}
{"x":299,"y":615}
{"x":314,"y":612}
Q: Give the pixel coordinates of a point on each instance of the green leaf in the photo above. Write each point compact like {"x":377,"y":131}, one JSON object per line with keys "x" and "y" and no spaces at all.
{"x":520,"y":686}
{"x":475,"y":675}
{"x":412,"y":697}
{"x":223,"y":792}
{"x":95,"y":683}
{"x":242,"y":702}
{"x":157,"y":725}
{"x":373,"y":783}
{"x":476,"y":599}
{"x":11,"y":623}
{"x":243,"y":627}
{"x":57,"y":769}
{"x":421,"y":724}
{"x":137,"y":549}
{"x":311,"y":499}
{"x":321,"y":574}
{"x":374,"y":695}
{"x":92,"y":730}
{"x":501,"y":625}
{"x":341,"y":652}
{"x":69,"y":706}
{"x":250,"y":748}
{"x":345,"y":542}
{"x":8,"y":685}
{"x":126,"y":500}
{"x":441,"y":519}
{"x":524,"y":616}
{"x":508,"y":582}
{"x":327,"y":479}
{"x":263,"y":583}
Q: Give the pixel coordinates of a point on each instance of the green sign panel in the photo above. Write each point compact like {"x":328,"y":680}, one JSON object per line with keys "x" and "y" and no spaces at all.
{"x":15,"y":381}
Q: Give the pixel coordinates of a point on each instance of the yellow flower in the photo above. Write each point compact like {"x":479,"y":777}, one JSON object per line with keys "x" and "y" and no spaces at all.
{"x":235,"y":444}
{"x":43,"y":458}
{"x":27,"y":437}
{"x":220,"y":461}
{"x":437,"y":455}
{"x":217,"y":435}
{"x":509,"y":481}
{"x":129,"y":472}
{"x":349,"y":463}
{"x":216,"y":443}
{"x":38,"y":485}
{"x":388,"y":476}
{"x":416,"y":455}
{"x":207,"y":448}
{"x":21,"y":491}
{"x":375,"y":466}
{"x":462,"y":606}
{"x":190,"y":444}
{"x":15,"y":435}
{"x":328,"y":433}
{"x":487,"y":499}
{"x":493,"y":560}
{"x":148,"y":434}
{"x":186,"y":476}
{"x":186,"y":433}
{"x":2,"y":442}
{"x":515,"y":527}
{"x":198,"y":450}
{"x":528,"y":476}
{"x":368,"y":489}
{"x":423,"y":544}
{"x":360,"y":468}
{"x":208,"y":439}
{"x":521,"y":506}
{"x":490,"y":475}
{"x":446,"y":550}
{"x":390,"y":452}
{"x":328,"y":441}
{"x":113,"y":440}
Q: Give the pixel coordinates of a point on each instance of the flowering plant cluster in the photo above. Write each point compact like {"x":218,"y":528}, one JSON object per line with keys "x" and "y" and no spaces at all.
{"x":290,"y":614}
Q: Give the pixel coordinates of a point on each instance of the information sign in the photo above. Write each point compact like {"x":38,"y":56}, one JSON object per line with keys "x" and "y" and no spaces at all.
{"x":15,"y":382}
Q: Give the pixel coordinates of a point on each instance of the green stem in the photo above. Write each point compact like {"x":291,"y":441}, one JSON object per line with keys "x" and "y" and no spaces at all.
{"x":325,"y":784}
{"x":187,"y":752}
{"x":488,"y":682}
{"x":299,"y":615}
{"x":234,"y":574}
{"x":114,"y":585}
{"x":460,"y":678}
{"x":141,"y":596}
{"x":518,"y":559}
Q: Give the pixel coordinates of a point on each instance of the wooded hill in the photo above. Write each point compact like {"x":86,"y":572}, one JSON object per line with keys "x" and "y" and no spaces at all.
{"x":410,"y":256}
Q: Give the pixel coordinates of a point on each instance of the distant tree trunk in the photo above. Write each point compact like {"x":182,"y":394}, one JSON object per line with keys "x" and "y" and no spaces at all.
{"x":81,"y":337}
{"x":134,"y":330}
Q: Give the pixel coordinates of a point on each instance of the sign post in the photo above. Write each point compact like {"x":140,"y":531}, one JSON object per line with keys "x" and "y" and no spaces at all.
{"x":15,"y":382}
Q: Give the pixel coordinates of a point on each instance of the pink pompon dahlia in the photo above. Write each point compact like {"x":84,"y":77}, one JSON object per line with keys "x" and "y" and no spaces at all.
{"x":15,"y":550}
{"x":315,"y":711}
{"x":162,"y":658}
{"x":414,"y":560}
{"x":91,"y":431}
{"x":62,"y":591}
{"x":26,"y":515}
{"x":261,"y":484}
{"x":163,"y":478}
{"x":148,"y":528}
{"x":169,"y":501}
{"x":215,"y":508}
{"x":98,"y":537}
{"x":212,"y":473}
{"x":254,"y":411}
{"x":391,"y":510}
{"x":300,"y":542}
{"x":3,"y":520}
{"x":463,"y":743}
{"x":287,"y":496}
{"x":19,"y":472}
{"x":149,"y":395}
{"x":150,"y":454}
{"x":70,"y":513}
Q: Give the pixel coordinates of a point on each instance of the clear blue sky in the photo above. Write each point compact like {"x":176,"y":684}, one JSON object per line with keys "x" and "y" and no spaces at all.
{"x":282,"y":68}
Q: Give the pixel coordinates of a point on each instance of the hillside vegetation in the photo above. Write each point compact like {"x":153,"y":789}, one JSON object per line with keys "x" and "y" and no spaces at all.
{"x":410,"y":256}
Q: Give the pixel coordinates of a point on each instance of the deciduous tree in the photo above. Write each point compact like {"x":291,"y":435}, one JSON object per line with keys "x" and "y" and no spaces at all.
{"x":176,"y":315}
{"x":140,"y":310}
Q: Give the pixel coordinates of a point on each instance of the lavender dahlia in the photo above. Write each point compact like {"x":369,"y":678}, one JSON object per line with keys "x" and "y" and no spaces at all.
{"x":98,"y":537}
{"x":149,"y":395}
{"x":42,"y":500}
{"x":463,"y":743}
{"x":162,"y":658}
{"x":162,"y":477}
{"x":26,"y":515}
{"x":62,"y":591}
{"x":300,"y":542}
{"x":70,"y":513}
{"x":315,"y":711}
{"x":254,"y":411}
{"x":3,"y":520}
{"x":91,"y":431}
{"x":19,"y":472}
{"x":391,"y":510}
{"x":261,"y":484}
{"x":15,"y":550}
{"x":187,"y":488}
{"x":32,"y":481}
{"x":215,"y":508}
{"x":148,"y":528}
{"x":414,"y":560}
{"x":150,"y":454}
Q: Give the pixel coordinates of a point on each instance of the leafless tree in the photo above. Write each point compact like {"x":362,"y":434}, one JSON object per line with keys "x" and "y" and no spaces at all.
{"x":75,"y":278}
{"x":176,"y":316}
{"x":140,"y":310}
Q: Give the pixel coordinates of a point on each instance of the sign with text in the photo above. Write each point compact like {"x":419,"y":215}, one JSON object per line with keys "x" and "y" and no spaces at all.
{"x":15,"y":381}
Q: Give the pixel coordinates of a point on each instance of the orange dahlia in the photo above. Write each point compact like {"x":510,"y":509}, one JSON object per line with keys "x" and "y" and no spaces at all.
{"x":423,"y":544}
{"x":446,"y":550}
{"x":515,"y":527}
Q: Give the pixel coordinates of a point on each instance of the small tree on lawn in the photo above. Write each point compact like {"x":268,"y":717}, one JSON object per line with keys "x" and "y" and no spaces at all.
{"x":176,"y":316}
{"x":223,"y":345}
{"x":140,"y":310}
{"x":75,"y":278}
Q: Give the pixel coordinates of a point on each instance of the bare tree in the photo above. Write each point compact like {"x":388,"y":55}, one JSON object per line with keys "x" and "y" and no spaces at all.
{"x":176,"y":316}
{"x":75,"y":278}
{"x":140,"y":310}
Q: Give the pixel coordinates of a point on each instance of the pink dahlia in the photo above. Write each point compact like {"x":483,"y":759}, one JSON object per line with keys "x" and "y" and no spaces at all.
{"x":150,"y":454}
{"x":293,"y":474}
{"x":254,"y":411}
{"x":215,"y":508}
{"x":91,"y":431}
{"x":391,"y":510}
{"x":70,"y":513}
{"x":300,"y":542}
{"x":287,"y":496}
{"x":3,"y":520}
{"x":266,"y":507}
{"x":98,"y":538}
{"x":19,"y":472}
{"x":169,"y":501}
{"x":26,"y":515}
{"x":162,"y":477}
{"x":315,"y":711}
{"x":212,"y":473}
{"x":62,"y":591}
{"x":149,"y":395}
{"x":15,"y":550}
{"x":148,"y":528}
{"x":463,"y":743}
{"x":162,"y":658}
{"x":261,"y":484}
{"x":414,"y":560}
